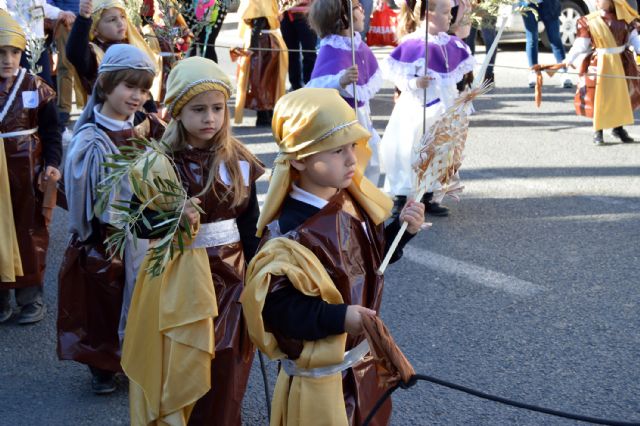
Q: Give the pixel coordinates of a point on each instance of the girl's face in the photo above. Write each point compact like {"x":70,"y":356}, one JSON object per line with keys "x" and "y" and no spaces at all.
{"x":604,"y":5}
{"x":9,"y":61}
{"x":440,"y":18}
{"x":203,"y":117}
{"x":124,"y":101}
{"x":358,"y":18}
{"x":112,"y":26}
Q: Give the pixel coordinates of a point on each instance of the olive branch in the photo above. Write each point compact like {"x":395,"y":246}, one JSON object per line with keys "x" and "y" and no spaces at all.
{"x":166,"y":196}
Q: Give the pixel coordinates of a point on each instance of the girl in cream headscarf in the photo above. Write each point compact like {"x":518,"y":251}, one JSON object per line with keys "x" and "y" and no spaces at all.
{"x":192,"y":382}
{"x":99,"y":25}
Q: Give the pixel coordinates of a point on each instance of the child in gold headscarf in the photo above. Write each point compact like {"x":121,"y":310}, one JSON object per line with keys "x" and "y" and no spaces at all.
{"x":605,"y":36}
{"x":315,"y":275}
{"x":99,"y":25}
{"x":30,"y":154}
{"x":220,"y":173}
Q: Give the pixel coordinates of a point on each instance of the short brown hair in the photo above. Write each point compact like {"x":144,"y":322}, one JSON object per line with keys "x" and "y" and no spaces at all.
{"x":108,"y":81}
{"x":326,"y":17}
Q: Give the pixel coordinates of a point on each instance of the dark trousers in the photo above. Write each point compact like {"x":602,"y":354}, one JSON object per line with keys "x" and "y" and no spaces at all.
{"x":297,"y":34}
{"x":24,"y":296}
{"x":488,"y":30}
{"x":206,"y":45}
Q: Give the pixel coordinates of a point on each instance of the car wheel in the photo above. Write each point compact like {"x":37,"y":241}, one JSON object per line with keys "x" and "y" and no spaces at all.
{"x":569,"y":15}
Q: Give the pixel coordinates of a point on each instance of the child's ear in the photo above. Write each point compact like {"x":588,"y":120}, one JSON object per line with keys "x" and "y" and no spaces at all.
{"x":298,"y":165}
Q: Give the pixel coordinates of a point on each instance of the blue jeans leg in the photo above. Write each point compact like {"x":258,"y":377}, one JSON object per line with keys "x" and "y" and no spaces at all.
{"x":552,"y":28}
{"x":531,"y":27}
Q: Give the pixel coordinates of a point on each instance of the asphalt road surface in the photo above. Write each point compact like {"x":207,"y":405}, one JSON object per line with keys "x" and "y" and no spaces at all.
{"x":530,"y":289}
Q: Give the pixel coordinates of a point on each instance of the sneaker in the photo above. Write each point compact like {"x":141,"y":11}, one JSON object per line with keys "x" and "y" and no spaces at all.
{"x":5,"y":313}
{"x":621,"y":133}
{"x":398,"y":203}
{"x":32,"y":313}
{"x":598,"y":138}
{"x":102,"y":384}
{"x":436,"y":209}
{"x":566,"y":84}
{"x":533,"y":79}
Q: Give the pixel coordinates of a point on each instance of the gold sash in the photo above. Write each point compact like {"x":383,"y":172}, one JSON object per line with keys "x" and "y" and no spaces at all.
{"x":614,"y":110}
{"x":297,"y":400}
{"x":169,"y":339}
{"x":10,"y":262}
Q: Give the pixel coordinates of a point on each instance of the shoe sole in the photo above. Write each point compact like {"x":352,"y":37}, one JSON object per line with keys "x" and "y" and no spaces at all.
{"x":6,"y":316}
{"x":104,"y":391}
{"x":32,"y":320}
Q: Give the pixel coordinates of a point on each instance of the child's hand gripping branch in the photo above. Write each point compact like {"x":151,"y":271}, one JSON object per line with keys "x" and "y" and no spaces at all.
{"x":413,"y":214}
{"x":85,"y":8}
{"x":349,"y":77}
{"x":353,"y":319}
{"x":191,"y":214}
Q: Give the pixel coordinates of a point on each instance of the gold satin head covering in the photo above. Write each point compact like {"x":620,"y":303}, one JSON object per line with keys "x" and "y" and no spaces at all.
{"x":133,"y":35}
{"x":11,"y":33}
{"x":192,"y":76}
{"x":624,"y":11}
{"x":309,"y":121}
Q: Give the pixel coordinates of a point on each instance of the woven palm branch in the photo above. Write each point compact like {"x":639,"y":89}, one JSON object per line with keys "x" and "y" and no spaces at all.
{"x":438,"y":156}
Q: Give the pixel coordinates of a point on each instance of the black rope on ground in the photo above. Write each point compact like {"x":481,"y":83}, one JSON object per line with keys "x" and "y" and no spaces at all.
{"x":266,"y":384}
{"x":415,"y":378}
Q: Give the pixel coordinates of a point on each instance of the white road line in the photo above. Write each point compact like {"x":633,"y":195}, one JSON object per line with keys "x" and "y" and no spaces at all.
{"x":474,"y":273}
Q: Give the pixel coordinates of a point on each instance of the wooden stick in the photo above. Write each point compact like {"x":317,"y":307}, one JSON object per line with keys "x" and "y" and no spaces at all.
{"x":426,"y":65}
{"x":353,"y":56}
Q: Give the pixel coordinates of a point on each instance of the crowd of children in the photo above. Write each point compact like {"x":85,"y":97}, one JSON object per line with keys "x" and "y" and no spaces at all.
{"x":293,"y":278}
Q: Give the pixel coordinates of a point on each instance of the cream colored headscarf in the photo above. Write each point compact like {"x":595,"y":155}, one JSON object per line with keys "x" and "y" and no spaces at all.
{"x":11,"y":33}
{"x":189,"y":78}
{"x":309,"y":121}
{"x":193,"y":76}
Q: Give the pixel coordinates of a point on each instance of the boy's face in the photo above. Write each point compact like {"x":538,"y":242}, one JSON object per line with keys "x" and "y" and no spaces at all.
{"x":124,"y":101}
{"x":9,"y":61}
{"x":203,"y":117}
{"x":112,"y":26}
{"x":328,"y":170}
{"x":440,"y":17}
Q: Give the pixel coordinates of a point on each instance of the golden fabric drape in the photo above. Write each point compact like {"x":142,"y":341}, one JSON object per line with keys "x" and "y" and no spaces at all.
{"x":169,"y":339}
{"x":297,"y":400}
{"x":10,"y":263}
{"x":612,"y":104}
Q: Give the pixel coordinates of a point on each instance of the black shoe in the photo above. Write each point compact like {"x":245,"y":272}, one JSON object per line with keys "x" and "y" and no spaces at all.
{"x":490,"y":79}
{"x":263,"y":119}
{"x":103,"y":383}
{"x":598,"y":138}
{"x":32,"y":313}
{"x":621,"y":133}
{"x":436,"y":209}
{"x":5,"y":313}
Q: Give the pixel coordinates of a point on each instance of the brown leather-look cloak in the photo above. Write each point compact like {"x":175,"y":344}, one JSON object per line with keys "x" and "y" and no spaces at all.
{"x":585,"y":95}
{"x":351,"y":256}
{"x":25,"y":162}
{"x":90,"y":285}
{"x":234,"y":351}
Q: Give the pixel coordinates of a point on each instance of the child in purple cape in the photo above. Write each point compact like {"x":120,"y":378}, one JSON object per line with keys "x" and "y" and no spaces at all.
{"x":334,"y":66}
{"x":449,"y":60}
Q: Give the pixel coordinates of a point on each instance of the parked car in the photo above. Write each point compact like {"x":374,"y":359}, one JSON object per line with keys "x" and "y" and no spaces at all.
{"x":571,"y":11}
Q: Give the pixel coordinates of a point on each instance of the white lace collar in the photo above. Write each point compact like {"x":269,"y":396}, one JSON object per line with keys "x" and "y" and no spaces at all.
{"x":301,"y":195}
{"x":341,"y":42}
{"x":440,"y":38}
